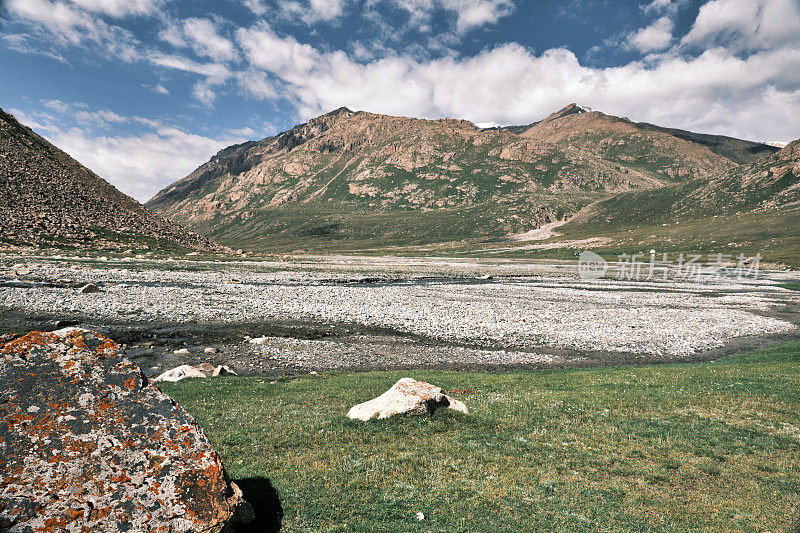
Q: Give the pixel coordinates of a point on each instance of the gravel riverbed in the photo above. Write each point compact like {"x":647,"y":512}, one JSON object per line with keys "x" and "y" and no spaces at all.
{"x":331,"y":313}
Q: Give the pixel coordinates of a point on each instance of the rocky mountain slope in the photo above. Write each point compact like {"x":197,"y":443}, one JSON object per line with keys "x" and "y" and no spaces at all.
{"x":668,"y":153}
{"x":365,"y":179}
{"x":48,"y":198}
{"x":770,"y":183}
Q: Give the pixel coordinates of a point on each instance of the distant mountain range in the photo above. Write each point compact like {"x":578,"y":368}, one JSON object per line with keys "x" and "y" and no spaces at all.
{"x":358,"y":180}
{"x":49,"y":199}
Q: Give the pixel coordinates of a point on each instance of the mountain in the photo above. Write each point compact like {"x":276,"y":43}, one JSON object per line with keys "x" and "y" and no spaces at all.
{"x":768,"y":184}
{"x":669,"y":153}
{"x":751,"y":209}
{"x":48,"y":198}
{"x":356,"y":179}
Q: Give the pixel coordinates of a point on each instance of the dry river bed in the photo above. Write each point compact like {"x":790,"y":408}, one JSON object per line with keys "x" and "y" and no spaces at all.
{"x":322,"y":313}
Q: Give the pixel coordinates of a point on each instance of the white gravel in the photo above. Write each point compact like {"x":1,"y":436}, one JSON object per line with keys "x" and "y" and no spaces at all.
{"x":546,"y":309}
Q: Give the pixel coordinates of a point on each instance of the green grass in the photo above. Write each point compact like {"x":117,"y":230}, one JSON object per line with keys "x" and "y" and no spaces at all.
{"x":694,"y":447}
{"x":792,"y":286}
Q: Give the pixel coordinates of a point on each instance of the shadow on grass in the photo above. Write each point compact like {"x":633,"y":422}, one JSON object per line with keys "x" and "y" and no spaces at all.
{"x":259,"y":492}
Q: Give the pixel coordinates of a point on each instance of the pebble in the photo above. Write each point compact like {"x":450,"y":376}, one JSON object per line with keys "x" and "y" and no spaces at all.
{"x":526,"y":306}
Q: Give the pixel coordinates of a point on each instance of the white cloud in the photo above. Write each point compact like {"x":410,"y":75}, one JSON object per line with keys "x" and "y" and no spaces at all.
{"x":511,"y":85}
{"x":140,"y":165}
{"x":476,"y":13}
{"x":137,"y":164}
{"x":308,"y":11}
{"x":670,"y":7}
{"x":121,"y":8}
{"x":258,"y":7}
{"x":657,"y":36}
{"x":70,"y":25}
{"x":215,"y":74}
{"x":470,"y":14}
{"x":202,"y":36}
{"x":160,"y":89}
{"x":746,"y":24}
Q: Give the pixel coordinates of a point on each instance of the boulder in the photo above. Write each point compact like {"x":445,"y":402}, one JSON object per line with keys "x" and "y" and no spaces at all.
{"x":260,"y":340}
{"x":89,"y":288}
{"x":222,"y":370}
{"x":203,"y":370}
{"x":406,"y":397}
{"x":88,"y":444}
{"x":179,"y":373}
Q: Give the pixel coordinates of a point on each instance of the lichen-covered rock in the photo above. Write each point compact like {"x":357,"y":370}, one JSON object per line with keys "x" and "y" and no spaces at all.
{"x":87,"y":444}
{"x":406,"y":397}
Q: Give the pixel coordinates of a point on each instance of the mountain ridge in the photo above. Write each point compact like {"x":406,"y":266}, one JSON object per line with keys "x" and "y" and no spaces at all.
{"x":317,"y":178}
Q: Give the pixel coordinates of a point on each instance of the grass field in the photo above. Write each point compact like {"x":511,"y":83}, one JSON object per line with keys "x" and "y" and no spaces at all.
{"x":694,"y":447}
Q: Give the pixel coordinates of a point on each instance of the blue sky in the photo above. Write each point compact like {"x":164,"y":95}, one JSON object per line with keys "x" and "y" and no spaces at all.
{"x":143,"y":91}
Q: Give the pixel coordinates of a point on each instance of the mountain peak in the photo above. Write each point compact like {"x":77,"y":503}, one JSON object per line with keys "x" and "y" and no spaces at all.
{"x":339,"y":111}
{"x":571,"y":109}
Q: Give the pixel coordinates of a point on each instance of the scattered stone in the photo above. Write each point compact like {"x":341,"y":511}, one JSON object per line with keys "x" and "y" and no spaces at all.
{"x":23,"y":271}
{"x":181,"y":351}
{"x":406,"y":397}
{"x":210,"y":350}
{"x":17,"y":284}
{"x":89,"y":288}
{"x":88,"y":444}
{"x":259,"y":340}
{"x":420,"y":517}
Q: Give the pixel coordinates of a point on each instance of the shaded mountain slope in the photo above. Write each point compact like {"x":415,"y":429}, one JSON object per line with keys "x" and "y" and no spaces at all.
{"x":48,"y":198}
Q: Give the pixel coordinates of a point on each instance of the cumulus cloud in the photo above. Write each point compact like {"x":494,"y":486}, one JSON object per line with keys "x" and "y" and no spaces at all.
{"x":139,"y":164}
{"x":656,"y":36}
{"x":202,"y":36}
{"x":510,"y":84}
{"x":736,"y":72}
{"x":69,"y":25}
{"x":746,"y":24}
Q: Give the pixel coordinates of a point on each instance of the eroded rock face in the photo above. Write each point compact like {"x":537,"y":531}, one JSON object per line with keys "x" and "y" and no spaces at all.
{"x":87,"y":444}
{"x":406,"y":397}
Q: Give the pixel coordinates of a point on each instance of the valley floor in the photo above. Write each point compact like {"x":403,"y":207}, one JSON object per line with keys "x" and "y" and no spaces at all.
{"x":709,"y":446}
{"x":362,"y":313}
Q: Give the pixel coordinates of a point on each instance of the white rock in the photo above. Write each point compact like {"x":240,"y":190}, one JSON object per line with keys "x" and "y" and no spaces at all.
{"x":420,"y":516}
{"x":409,"y":397}
{"x":179,"y":373}
{"x":210,"y":350}
{"x":223,"y":370}
{"x":259,"y":340}
{"x":182,"y":351}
